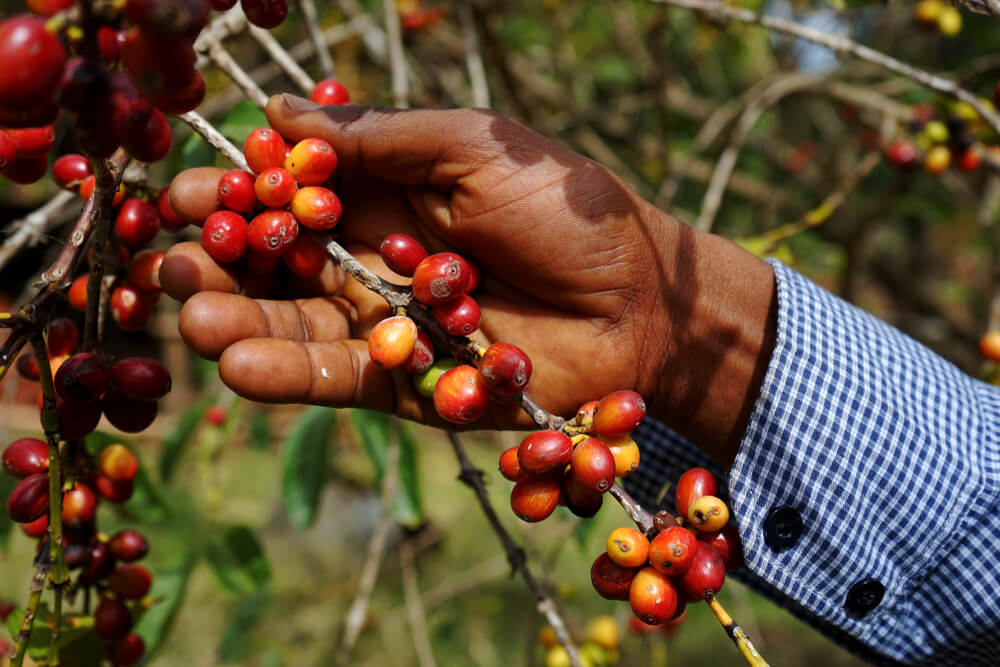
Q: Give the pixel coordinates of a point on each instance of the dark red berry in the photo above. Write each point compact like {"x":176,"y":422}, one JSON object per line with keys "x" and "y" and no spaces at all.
{"x":130,"y":308}
{"x":265,"y":13}
{"x":422,"y":356}
{"x":8,"y":151}
{"x":169,"y":18}
{"x":439,"y":278}
{"x":127,"y":651}
{"x":727,"y":542}
{"x":129,"y":581}
{"x":330,"y":92}
{"x":81,"y":378}
{"x":236,"y":191}
{"x":128,"y":414}
{"x":101,"y":562}
{"x":70,"y":170}
{"x":505,"y":368}
{"x":272,"y":232}
{"x":580,"y":502}
{"x":27,"y":366}
{"x":543,"y":451}
{"x":168,"y":216}
{"x":33,"y":141}
{"x":149,"y":139}
{"x":62,"y":336}
{"x":30,"y":498}
{"x":460,"y":316}
{"x":115,"y":491}
{"x":140,"y":378}
{"x":112,"y":619}
{"x":158,"y":65}
{"x":26,"y":456}
{"x":77,"y":555}
{"x":137,"y":223}
{"x":26,"y":169}
{"x":611,"y":580}
{"x":33,"y":59}
{"x":181,"y":100}
{"x":705,"y":576}
{"x":224,"y":236}
{"x":77,"y":421}
{"x":128,"y":545}
{"x":402,"y":253}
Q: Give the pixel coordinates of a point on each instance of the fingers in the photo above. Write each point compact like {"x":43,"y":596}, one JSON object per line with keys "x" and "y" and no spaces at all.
{"x":414,"y":147}
{"x":187,"y":269}
{"x":194,"y":193}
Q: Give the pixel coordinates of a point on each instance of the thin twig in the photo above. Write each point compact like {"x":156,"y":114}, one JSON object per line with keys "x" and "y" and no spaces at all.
{"x":311,"y":19}
{"x":218,"y":54}
{"x":397,"y":59}
{"x":474,"y":58}
{"x":282,"y":58}
{"x":29,"y":230}
{"x":106,"y":181}
{"x":27,"y":623}
{"x":414,"y":605}
{"x":472,"y":477}
{"x":215,"y":139}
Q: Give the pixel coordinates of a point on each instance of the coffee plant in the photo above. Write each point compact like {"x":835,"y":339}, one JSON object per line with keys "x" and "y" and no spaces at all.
{"x":809,"y":145}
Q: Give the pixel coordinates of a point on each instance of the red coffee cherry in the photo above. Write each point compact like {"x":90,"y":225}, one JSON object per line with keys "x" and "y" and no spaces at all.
{"x":460,"y":316}
{"x":330,"y":92}
{"x":157,"y":65}
{"x":510,"y":467}
{"x":306,"y":257}
{"x":182,"y":19}
{"x":391,"y":341}
{"x":694,"y":484}
{"x":87,"y":189}
{"x":130,"y":309}
{"x":79,"y":505}
{"x":236,"y":191}
{"x":475,"y":277}
{"x":41,"y":112}
{"x":33,"y":60}
{"x":81,"y":378}
{"x":311,"y":161}
{"x":439,"y":278}
{"x":30,"y":498}
{"x":216,"y":415}
{"x":265,"y":13}
{"x":704,"y":578}
{"x":181,"y":100}
{"x":272,"y":232}
{"x":628,"y":547}
{"x":460,"y":396}
{"x":144,"y":270}
{"x":118,"y":463}
{"x":136,"y":224}
{"x":652,"y":596}
{"x":708,"y":514}
{"x":422,"y":356}
{"x":168,"y":216}
{"x":26,"y":169}
{"x":77,"y":421}
{"x":141,"y":378}
{"x":274,"y":187}
{"x":37,"y":528}
{"x":130,"y":581}
{"x":673,"y":550}
{"x":317,"y":208}
{"x":579,"y":501}
{"x":149,"y":139}
{"x":535,"y":497}
{"x":727,"y":542}
{"x":618,"y":414}
{"x":26,"y":456}
{"x":27,"y":366}
{"x":264,"y":148}
{"x":70,"y":170}
{"x":32,"y":141}
{"x":77,"y":293}
{"x":128,"y":545}
{"x":48,"y":7}
{"x":402,"y":253}
{"x":505,"y":368}
{"x":128,"y":414}
{"x":969,"y":159}
{"x":224,"y":236}
{"x":543,"y":451}
{"x":101,"y":562}
{"x":107,"y":41}
{"x":111,"y":619}
{"x":611,"y":580}
{"x":626,"y":453}
{"x":592,"y":467}
{"x":127,"y":651}
{"x":8,"y":151}
{"x":115,"y":492}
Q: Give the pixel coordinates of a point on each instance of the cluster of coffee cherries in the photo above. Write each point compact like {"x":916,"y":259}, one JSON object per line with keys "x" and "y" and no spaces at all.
{"x":938,"y":141}
{"x":940,"y":15}
{"x":686,"y":560}
{"x":598,"y":645}
{"x":550,"y":468}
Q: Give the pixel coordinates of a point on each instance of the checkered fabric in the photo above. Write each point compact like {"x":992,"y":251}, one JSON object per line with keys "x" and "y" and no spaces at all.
{"x":891,"y":456}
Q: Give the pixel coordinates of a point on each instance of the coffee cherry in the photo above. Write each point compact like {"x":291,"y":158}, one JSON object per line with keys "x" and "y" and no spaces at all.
{"x":236,"y":191}
{"x":708,"y":514}
{"x":216,"y":415}
{"x":70,"y":170}
{"x":727,"y":542}
{"x":26,"y":456}
{"x":33,"y":59}
{"x":114,"y":491}
{"x":618,"y":414}
{"x":264,"y":148}
{"x":272,"y":232}
{"x":937,"y":159}
{"x":77,"y":421}
{"x":29,"y":499}
{"x":224,"y":236}
{"x":505,"y":368}
{"x":422,"y":356}
{"x":81,"y":378}
{"x":79,"y":505}
{"x":673,"y":550}
{"x":401,"y":253}
{"x":311,"y":161}
{"x":391,"y":341}
{"x":969,"y":159}
{"x":652,"y":596}
{"x":136,"y":224}
{"x":901,"y":153}
{"x":107,"y":42}
{"x":36,"y":528}
{"x":592,"y":467}
{"x":535,"y":497}
{"x":182,"y":19}
{"x":141,"y":378}
{"x":130,"y":309}
{"x":628,"y":547}
{"x":128,"y":414}
{"x":127,"y":651}
{"x":27,"y":366}
{"x":158,"y":65}
{"x":265,"y":13}
{"x":77,"y":293}
{"x":317,"y":208}
{"x":130,"y":581}
{"x":8,"y":151}
{"x":111,"y":619}
{"x":460,"y":396}
{"x":306,"y":257}
{"x":585,"y":415}
{"x":626,"y":454}
{"x":611,"y":580}
{"x":543,"y":451}
{"x":168,"y":216}
{"x":48,"y":7}
{"x":40,"y":113}
{"x":694,"y":484}
{"x":475,"y":277}
{"x":705,"y":576}
{"x":32,"y":141}
{"x":426,"y":381}
{"x":144,"y":270}
{"x":128,"y":545}
{"x":87,"y":189}
{"x":989,"y":346}
{"x":118,"y":463}
{"x":460,"y":316}
{"x":439,"y":278}
{"x":149,"y":139}
{"x":330,"y":92}
{"x":510,"y":467}
{"x":580,"y":502}
{"x":274,"y":187}
{"x":26,"y":169}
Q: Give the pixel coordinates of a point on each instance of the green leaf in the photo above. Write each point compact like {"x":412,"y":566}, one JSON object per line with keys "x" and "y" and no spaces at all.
{"x":41,"y":632}
{"x":167,"y":591}
{"x":245,"y":614}
{"x":239,"y":561}
{"x":305,"y":464}
{"x":241,"y":120}
{"x":195,"y":152}
{"x":373,"y":429}
{"x":7,"y":485}
{"x":147,"y":503}
{"x":582,"y":531}
{"x":406,"y":507}
{"x":176,"y":441}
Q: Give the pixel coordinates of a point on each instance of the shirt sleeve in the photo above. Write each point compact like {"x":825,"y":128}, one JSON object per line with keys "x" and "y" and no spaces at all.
{"x":866,"y":486}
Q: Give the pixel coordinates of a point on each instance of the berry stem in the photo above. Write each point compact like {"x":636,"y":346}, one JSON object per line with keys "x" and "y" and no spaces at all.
{"x":28,"y":622}
{"x":217,"y":53}
{"x":642,"y":518}
{"x":56,"y":623}
{"x":736,"y":633}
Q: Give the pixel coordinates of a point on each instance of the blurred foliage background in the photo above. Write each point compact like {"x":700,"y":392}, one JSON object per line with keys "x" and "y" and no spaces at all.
{"x":260,"y":528}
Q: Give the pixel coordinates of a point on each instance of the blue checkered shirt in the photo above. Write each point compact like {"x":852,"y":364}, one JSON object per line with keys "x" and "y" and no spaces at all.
{"x":890,"y":455}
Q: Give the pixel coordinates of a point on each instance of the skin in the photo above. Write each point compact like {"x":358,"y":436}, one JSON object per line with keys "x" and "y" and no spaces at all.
{"x":601,"y":289}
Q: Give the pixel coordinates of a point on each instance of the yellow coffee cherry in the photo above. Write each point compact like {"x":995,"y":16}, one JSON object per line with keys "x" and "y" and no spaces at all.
{"x":949,"y":21}
{"x":603,"y":631}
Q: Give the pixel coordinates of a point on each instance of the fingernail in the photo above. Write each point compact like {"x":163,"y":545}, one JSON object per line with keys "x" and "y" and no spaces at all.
{"x":296,"y":103}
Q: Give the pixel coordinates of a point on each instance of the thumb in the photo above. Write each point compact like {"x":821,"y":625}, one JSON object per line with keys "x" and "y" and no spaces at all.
{"x":408,"y":146}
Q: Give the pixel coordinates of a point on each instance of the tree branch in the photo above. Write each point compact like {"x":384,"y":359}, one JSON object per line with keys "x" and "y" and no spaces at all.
{"x":215,"y":139}
{"x":316,"y":37}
